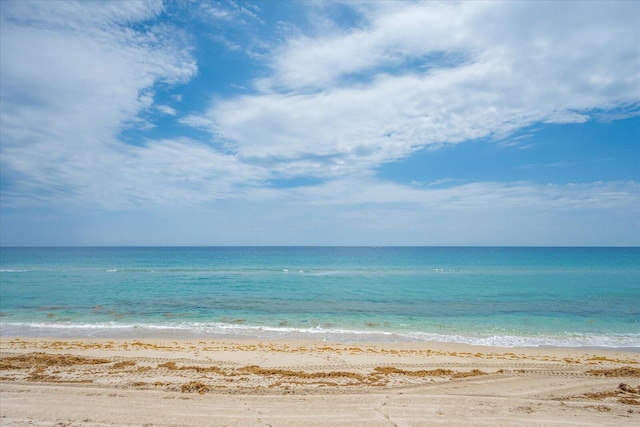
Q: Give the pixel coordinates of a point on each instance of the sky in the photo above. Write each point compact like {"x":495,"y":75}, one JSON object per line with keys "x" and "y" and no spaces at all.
{"x":320,"y":123}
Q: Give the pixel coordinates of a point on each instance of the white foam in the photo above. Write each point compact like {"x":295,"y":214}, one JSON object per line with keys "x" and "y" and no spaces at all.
{"x":218,"y":329}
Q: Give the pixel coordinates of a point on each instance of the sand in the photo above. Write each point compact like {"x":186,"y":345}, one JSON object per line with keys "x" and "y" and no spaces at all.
{"x":165,"y":382}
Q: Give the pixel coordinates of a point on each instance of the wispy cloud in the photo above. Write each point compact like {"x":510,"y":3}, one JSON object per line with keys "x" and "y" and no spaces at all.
{"x":166,"y":109}
{"x":74,"y":75}
{"x":340,"y":103}
{"x":231,"y":11}
{"x":330,"y":103}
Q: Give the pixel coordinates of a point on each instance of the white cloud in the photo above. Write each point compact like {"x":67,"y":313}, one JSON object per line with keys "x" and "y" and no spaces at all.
{"x":359,"y":211}
{"x":338,"y":104}
{"x":79,"y":76}
{"x":366,"y":211}
{"x":215,"y":12}
{"x":395,"y":33}
{"x":157,"y":173}
{"x":477,"y":196}
{"x":74,"y":75}
{"x":166,"y":109}
{"x":231,"y":24}
{"x":229,"y":11}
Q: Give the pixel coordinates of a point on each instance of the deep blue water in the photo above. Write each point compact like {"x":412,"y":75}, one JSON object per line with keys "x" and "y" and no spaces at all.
{"x":481,"y":295}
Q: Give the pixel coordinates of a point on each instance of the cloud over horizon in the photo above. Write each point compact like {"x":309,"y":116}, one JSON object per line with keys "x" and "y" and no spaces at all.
{"x":139,"y":107}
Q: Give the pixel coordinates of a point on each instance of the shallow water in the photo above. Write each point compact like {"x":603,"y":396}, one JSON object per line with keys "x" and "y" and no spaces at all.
{"x":493,"y":296}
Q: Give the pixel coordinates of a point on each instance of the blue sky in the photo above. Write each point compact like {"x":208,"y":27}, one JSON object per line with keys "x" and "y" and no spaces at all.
{"x":319,"y":123}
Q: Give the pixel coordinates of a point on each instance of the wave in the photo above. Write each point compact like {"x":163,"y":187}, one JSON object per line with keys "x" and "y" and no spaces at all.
{"x":629,"y":341}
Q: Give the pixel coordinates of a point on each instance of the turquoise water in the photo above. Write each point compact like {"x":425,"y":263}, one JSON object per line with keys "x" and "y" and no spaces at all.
{"x":494,"y":296}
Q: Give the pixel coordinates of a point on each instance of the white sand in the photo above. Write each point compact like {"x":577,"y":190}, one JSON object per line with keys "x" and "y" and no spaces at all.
{"x":58,"y":382}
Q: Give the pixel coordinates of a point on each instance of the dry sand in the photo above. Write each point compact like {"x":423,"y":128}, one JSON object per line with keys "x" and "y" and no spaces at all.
{"x":59,"y":382}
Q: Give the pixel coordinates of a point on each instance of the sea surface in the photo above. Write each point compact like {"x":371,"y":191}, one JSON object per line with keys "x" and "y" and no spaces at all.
{"x":504,"y":296}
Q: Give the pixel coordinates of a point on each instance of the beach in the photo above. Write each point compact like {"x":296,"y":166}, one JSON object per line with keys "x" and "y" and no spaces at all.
{"x":304,"y":336}
{"x":166,"y":382}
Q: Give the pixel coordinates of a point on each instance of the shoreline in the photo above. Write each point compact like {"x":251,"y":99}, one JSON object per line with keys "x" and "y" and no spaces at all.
{"x":623,"y":342}
{"x":231,"y":338}
{"x":296,"y":382}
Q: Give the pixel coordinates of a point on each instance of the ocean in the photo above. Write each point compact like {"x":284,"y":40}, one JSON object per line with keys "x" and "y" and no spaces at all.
{"x":502,"y":296}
